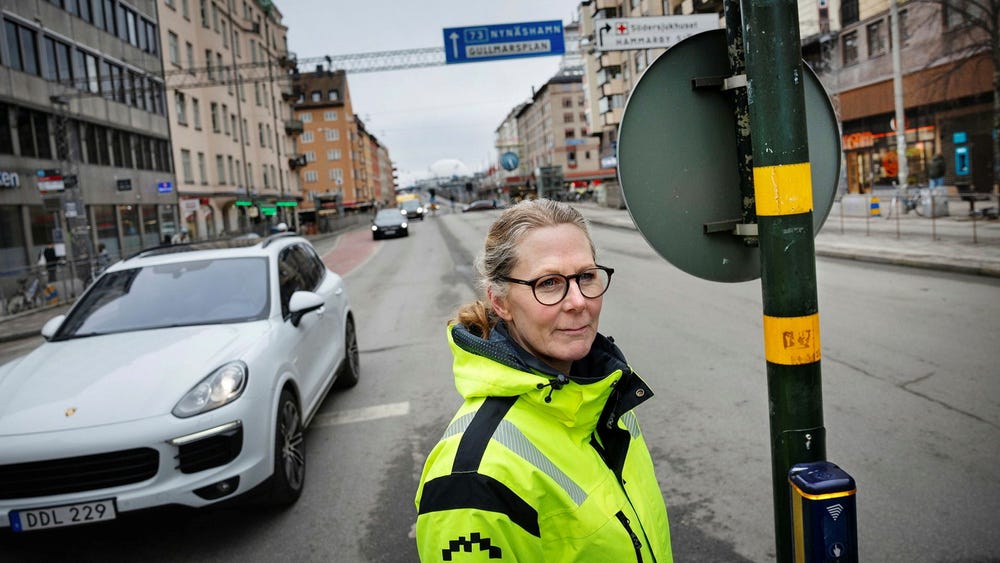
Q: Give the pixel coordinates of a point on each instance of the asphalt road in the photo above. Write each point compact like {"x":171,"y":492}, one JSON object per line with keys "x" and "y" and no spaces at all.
{"x":911,"y":405}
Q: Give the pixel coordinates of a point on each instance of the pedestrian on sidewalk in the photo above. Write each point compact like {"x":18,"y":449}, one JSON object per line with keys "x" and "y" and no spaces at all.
{"x":545,"y":460}
{"x":936,"y":170}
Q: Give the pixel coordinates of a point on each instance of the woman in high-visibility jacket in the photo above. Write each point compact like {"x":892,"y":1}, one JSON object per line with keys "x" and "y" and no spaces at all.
{"x":545,"y":461}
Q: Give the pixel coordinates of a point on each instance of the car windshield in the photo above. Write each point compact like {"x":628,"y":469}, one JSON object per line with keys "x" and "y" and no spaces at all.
{"x":411,"y":204}
{"x":199,"y":292}
{"x":388,"y":215}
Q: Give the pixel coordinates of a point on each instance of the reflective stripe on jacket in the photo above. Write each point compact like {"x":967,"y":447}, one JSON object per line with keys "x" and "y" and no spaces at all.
{"x":524,"y":473}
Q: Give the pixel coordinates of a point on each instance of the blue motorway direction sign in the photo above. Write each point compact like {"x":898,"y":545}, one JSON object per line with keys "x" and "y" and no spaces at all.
{"x":503,"y":41}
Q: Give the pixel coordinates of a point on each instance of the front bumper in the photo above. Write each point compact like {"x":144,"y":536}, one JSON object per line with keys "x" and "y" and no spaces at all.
{"x":190,"y":454}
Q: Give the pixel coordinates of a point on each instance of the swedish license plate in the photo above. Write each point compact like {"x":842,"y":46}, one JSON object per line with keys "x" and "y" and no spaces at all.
{"x":67,"y":515}
{"x":390,"y":231}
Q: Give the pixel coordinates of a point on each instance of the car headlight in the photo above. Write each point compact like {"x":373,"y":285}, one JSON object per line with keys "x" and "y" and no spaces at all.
{"x":374,"y":227}
{"x":403,"y":225}
{"x":221,"y":387}
{"x":420,"y":210}
{"x":403,"y":211}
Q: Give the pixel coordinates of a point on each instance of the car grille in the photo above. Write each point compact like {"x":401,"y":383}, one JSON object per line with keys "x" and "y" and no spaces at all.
{"x":210,"y":452}
{"x":76,"y":474}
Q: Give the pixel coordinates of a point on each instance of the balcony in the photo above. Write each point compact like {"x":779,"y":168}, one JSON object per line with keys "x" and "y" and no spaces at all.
{"x":613,"y":58}
{"x":294,"y":127}
{"x":613,"y":87}
{"x":296,"y":161}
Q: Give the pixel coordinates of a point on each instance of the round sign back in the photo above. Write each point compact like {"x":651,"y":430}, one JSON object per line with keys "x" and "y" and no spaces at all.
{"x":677,"y":160}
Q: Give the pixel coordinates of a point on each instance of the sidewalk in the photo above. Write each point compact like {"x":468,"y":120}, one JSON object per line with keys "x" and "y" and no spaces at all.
{"x":944,"y":244}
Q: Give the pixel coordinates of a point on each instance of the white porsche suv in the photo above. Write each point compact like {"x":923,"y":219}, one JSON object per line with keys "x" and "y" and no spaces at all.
{"x":184,"y":375}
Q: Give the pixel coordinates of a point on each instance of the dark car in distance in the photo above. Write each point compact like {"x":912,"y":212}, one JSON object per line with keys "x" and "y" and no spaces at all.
{"x":481,"y":205}
{"x":412,"y":209}
{"x":389,"y":223}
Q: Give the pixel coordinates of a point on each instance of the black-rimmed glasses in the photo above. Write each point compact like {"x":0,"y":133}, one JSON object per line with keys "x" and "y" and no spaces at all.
{"x":550,"y":289}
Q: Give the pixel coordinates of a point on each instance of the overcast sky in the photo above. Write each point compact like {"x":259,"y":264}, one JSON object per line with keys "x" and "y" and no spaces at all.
{"x":427,"y":114}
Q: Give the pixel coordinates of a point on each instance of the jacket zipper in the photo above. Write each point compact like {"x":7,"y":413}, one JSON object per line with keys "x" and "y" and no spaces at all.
{"x":635,"y":539}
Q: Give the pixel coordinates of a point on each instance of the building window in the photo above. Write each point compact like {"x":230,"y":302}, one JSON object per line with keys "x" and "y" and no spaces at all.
{"x":307,"y":136}
{"x":305,"y":117}
{"x":232,"y":179}
{"x":173,"y":47}
{"x":330,"y":115}
{"x":203,"y":10}
{"x":190,"y":57}
{"x":220,"y":168}
{"x":196,"y":113}
{"x":337,"y":175}
{"x":260,"y":133}
{"x":333,"y":154}
{"x":58,"y":54}
{"x":214,"y":110}
{"x":849,"y":47}
{"x":202,"y":168}
{"x":186,"y":167}
{"x":332,"y":134}
{"x":317,"y":96}
{"x":333,"y":95}
{"x":311,"y":176}
{"x":22,"y":45}
{"x":310,"y":156}
{"x":848,"y":12}
{"x":876,"y":39}
{"x":904,"y":33}
{"x":180,"y":107}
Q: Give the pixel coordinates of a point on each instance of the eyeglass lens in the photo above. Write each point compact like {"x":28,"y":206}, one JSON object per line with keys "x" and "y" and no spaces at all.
{"x":550,"y":290}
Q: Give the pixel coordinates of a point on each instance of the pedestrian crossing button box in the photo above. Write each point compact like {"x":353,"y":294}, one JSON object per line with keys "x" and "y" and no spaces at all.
{"x":824,"y":513}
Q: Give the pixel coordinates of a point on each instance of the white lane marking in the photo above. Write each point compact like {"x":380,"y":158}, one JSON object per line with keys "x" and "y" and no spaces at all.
{"x":362,"y":415}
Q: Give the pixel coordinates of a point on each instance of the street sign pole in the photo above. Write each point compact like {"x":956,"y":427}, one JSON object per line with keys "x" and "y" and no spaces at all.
{"x":784,"y":204}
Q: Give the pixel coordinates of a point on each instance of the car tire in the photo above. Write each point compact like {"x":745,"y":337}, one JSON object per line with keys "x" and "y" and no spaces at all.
{"x":350,"y":370}
{"x":289,"y":475}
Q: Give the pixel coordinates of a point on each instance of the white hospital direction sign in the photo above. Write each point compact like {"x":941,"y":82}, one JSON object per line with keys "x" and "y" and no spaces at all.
{"x":658,"y":32}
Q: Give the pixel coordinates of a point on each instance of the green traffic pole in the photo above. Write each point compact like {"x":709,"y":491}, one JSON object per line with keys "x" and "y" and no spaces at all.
{"x":783,"y":197}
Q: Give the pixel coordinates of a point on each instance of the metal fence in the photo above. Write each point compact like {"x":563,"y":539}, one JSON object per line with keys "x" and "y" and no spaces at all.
{"x":924,"y":215}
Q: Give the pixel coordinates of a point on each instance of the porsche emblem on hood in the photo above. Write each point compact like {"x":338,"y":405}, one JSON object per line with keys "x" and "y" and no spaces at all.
{"x":70,"y":411}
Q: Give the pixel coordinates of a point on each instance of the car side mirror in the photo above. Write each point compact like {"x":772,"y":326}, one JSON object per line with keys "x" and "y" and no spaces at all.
{"x":303,"y":303}
{"x":51,"y":326}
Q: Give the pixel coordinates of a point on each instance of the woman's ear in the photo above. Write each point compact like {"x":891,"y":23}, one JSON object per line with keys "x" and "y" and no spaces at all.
{"x":498,"y":303}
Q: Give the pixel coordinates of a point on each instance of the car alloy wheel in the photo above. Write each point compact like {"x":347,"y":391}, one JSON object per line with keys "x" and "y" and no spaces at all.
{"x":350,"y":371}
{"x":289,"y":452}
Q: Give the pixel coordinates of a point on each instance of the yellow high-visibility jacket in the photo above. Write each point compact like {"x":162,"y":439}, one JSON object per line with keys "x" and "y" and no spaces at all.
{"x":540,"y":467}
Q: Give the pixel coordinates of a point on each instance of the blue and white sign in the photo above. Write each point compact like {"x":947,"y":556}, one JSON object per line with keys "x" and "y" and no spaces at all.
{"x":503,"y":41}
{"x":164,"y":187}
{"x":509,"y":161}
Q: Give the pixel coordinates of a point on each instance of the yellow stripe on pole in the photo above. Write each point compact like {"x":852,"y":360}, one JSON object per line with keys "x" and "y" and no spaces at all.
{"x":784,"y":189}
{"x":791,"y":341}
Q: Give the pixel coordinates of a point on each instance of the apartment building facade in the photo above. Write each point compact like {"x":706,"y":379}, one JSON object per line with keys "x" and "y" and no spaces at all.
{"x":84,"y":138}
{"x":230,"y":115}
{"x":345,"y":167}
{"x":947,"y":92}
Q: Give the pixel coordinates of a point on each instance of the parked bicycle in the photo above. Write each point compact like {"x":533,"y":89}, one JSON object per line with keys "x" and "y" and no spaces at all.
{"x":905,"y":200}
{"x":28,"y":296}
